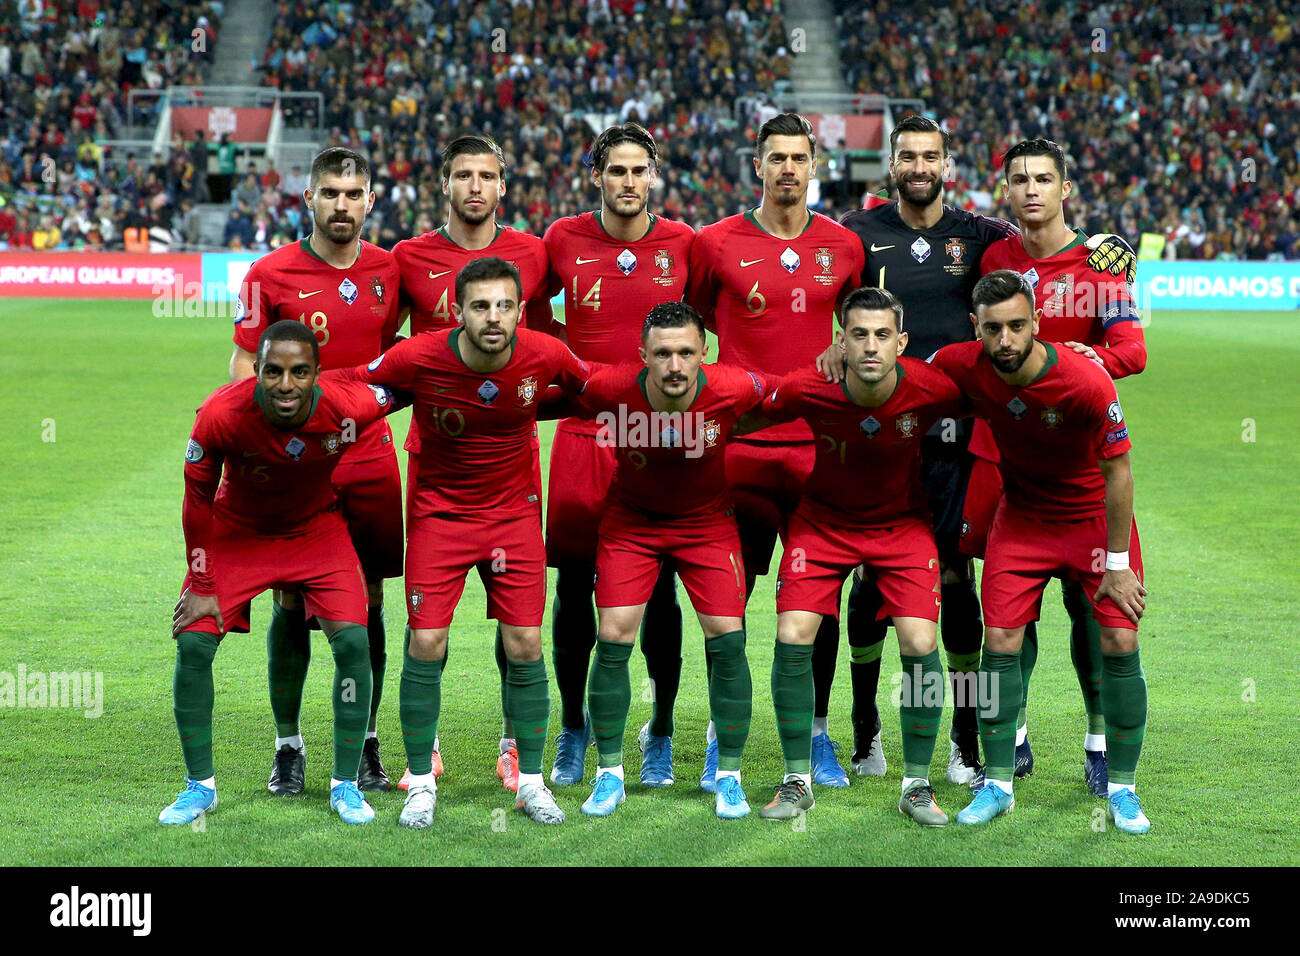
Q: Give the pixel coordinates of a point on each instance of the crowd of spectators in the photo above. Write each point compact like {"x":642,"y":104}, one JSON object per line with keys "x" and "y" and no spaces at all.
{"x":66,"y":73}
{"x":1180,"y":119}
{"x":1182,"y":123}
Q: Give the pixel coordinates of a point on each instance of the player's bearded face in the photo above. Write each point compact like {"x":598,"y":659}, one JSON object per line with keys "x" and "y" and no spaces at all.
{"x":286,"y":373}
{"x":673,"y":357}
{"x":474,"y":188}
{"x":786,"y":166}
{"x":871,"y":344}
{"x":490,"y":314}
{"x":1007,"y":330}
{"x":339,"y":206}
{"x":918,"y":167}
{"x":626,"y":180}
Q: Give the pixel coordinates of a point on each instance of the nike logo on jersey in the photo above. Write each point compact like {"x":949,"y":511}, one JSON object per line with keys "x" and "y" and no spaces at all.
{"x":582,"y":262}
{"x":307,"y":295}
{"x":437,"y":275}
{"x":746,"y":265}
{"x":876,"y":248}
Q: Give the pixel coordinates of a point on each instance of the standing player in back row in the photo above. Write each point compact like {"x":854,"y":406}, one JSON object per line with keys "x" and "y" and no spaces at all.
{"x":768,"y":281}
{"x":1091,"y":311}
{"x":614,"y":265}
{"x":474,"y":182}
{"x":1068,"y":502}
{"x":345,"y":290}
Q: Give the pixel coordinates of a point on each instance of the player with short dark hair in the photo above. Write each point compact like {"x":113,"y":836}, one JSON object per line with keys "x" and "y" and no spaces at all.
{"x":1068,"y":501}
{"x":343,"y":291}
{"x":260,"y":511}
{"x":1091,"y":311}
{"x":769,"y":281}
{"x":474,"y":182}
{"x":869,"y":424}
{"x":668,"y":421}
{"x":475,"y":505}
{"x":614,"y":265}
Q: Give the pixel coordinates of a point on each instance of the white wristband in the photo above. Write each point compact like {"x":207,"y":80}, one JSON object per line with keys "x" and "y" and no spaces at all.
{"x":1116,"y":560}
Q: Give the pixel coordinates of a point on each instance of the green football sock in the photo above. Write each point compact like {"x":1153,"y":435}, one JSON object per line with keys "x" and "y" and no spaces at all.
{"x":378,"y":662}
{"x":352,"y":686}
{"x":921,"y":712}
{"x":792,"y":698}
{"x":1085,"y":652}
{"x":609,"y":695}
{"x":419,"y":702}
{"x":1028,"y":659}
{"x":1124,"y":702}
{"x":661,"y":645}
{"x":503,"y":667}
{"x":731,"y":696}
{"x":573,"y":635}
{"x":288,"y":655}
{"x":1000,"y":673}
{"x":528,"y":708}
{"x":192,"y":695}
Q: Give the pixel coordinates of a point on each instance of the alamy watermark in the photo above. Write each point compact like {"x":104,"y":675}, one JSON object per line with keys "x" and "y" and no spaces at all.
{"x":83,"y":690}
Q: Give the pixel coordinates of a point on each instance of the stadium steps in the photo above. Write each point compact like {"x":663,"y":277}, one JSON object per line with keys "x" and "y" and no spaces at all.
{"x":816,"y":73}
{"x":212,"y":222}
{"x":246,"y":29}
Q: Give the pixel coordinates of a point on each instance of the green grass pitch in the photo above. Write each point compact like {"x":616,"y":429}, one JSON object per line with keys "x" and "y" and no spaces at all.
{"x":96,"y":408}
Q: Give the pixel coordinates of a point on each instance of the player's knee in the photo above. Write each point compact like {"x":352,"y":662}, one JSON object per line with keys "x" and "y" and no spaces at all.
{"x":1003,"y":640}
{"x":427,"y":644}
{"x":521,"y":643}
{"x":195,"y":649}
{"x":1118,"y":640}
{"x":959,"y":570}
{"x":915,"y":639}
{"x":375,"y":593}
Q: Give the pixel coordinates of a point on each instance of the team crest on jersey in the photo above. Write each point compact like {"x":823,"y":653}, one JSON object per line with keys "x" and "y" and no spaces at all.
{"x":626,"y":262}
{"x":331,"y":444}
{"x":488,"y":392}
{"x":956,"y":249}
{"x":1032,"y":278}
{"x":1017,"y":408}
{"x":790,"y":260}
{"x":906,"y":424}
{"x":664,"y":261}
{"x":1052,"y":417}
{"x":377,"y":287}
{"x":920,"y":249}
{"x":416,"y":598}
{"x":1063,"y":285}
{"x":528,"y":390}
{"x":712,"y":431}
{"x":295,"y":447}
{"x":870,"y":427}
{"x":348,"y":291}
{"x":825,"y":258}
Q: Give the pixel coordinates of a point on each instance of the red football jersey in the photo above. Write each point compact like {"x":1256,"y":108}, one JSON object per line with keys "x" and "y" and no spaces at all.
{"x":429,"y":265}
{"x":772,"y":301}
{"x":1051,"y":432}
{"x":477,"y":450}
{"x":670,"y":464}
{"x":275,"y":480}
{"x":868,"y":466}
{"x":1079,"y":303}
{"x":353,"y":312}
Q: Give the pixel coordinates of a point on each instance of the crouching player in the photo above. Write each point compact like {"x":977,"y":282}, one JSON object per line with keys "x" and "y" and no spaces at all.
{"x":1066,"y":511}
{"x":669,"y":501}
{"x":863,"y":504}
{"x":274,"y":522}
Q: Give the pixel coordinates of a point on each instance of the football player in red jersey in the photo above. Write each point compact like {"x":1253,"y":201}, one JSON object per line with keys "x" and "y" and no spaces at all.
{"x":474,"y":182}
{"x":614,"y":265}
{"x":768,"y":281}
{"x":272,"y":444}
{"x":345,"y":290}
{"x":476,"y":391}
{"x":1090,"y":310}
{"x":1066,"y":511}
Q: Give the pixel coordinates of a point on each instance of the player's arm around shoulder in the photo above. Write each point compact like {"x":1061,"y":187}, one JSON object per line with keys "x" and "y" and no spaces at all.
{"x":779,"y":402}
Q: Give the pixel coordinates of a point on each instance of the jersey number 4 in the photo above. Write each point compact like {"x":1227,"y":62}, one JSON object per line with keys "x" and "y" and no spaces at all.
{"x":592,"y":298}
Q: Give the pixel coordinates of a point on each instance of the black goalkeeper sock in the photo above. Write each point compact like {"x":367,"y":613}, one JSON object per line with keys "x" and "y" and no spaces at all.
{"x":573,"y":635}
{"x":826,"y":649}
{"x":661,"y":645}
{"x":866,"y":644}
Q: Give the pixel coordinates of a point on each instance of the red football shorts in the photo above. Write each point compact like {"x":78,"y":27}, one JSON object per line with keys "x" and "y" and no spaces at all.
{"x":901,"y":558}
{"x":766,"y":482}
{"x":705,"y":553}
{"x":1023,"y":552}
{"x":371,"y":494}
{"x":983,"y":493}
{"x":581,"y":473}
{"x":320,"y":564}
{"x":508,"y":553}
